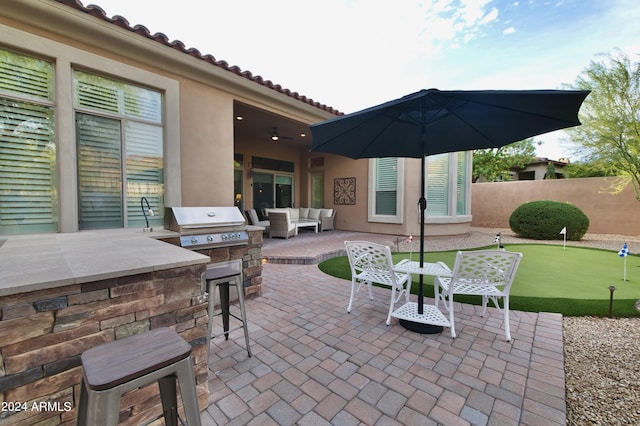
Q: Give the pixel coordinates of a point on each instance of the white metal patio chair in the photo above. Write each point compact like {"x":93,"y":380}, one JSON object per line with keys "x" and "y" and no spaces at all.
{"x":486,"y":273}
{"x":372,"y":263}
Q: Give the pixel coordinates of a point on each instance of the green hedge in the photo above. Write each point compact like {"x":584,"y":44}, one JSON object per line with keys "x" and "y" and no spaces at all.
{"x":544,"y":220}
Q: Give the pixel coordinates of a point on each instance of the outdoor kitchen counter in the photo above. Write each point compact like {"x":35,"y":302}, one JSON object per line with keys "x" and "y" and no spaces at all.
{"x":43,"y":261}
{"x":61,"y":294}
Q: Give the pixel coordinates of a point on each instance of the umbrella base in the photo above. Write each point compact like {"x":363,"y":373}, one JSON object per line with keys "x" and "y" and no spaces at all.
{"x":431,"y":321}
{"x":418,"y":327}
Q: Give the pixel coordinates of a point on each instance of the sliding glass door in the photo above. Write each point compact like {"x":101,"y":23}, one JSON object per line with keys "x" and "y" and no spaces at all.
{"x":272,"y":190}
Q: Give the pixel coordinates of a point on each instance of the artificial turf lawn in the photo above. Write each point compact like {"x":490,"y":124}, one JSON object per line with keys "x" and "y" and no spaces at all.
{"x":573,"y":281}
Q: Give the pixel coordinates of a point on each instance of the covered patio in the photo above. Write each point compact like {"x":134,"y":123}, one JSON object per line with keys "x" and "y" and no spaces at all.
{"x":313,"y":363}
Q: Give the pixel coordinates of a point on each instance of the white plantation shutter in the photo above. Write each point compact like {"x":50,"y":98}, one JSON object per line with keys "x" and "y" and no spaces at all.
{"x":142,"y":104}
{"x":144,"y":169}
{"x":461,"y":184}
{"x":317,"y":191}
{"x":99,"y":172}
{"x":25,"y":77}
{"x":27,"y":148}
{"x":386,"y":186}
{"x":103,"y":94}
{"x":438,"y":185}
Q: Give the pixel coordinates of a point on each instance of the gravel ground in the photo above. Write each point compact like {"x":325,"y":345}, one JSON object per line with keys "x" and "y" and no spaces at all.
{"x":602,"y":355}
{"x":602,"y":370}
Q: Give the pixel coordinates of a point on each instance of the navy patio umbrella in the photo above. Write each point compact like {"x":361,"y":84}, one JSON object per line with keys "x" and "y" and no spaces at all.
{"x":432,"y":122}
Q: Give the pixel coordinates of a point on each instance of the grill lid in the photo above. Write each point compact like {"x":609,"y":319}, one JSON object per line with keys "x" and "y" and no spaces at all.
{"x":206,"y":217}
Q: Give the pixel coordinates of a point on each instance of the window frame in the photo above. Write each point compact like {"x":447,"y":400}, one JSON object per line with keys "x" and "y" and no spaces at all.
{"x":118,"y":111}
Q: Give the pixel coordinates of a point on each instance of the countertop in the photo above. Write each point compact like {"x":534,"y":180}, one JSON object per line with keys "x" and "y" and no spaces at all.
{"x":42,"y":261}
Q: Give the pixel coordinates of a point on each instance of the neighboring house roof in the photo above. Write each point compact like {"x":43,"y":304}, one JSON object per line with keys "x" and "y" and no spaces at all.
{"x":561,"y":162}
{"x":161,"y":38}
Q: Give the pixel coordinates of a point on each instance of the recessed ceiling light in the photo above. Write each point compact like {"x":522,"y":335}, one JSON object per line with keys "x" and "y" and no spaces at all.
{"x":239,"y":118}
{"x":303,"y":134}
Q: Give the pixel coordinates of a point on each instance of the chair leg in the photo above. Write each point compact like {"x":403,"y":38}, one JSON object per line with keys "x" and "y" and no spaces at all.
{"x":187,"y":383}
{"x":485,"y":301}
{"x":353,"y":289}
{"x":243,"y":312}
{"x":211,"y":288}
{"x":507,"y":328}
{"x":393,"y":299}
{"x":169,"y":398}
{"x":81,"y":417}
{"x":451,"y":321}
{"x":369,"y":285}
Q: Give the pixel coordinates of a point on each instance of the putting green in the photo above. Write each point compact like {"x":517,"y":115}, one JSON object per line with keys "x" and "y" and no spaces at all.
{"x":550,"y":278}
{"x":574,"y":273}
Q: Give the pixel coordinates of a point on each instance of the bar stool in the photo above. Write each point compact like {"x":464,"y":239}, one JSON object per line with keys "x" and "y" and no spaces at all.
{"x":114,"y":368}
{"x":223,"y":275}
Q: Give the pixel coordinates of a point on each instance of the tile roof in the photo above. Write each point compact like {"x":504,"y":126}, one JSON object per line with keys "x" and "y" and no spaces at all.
{"x":141,"y":30}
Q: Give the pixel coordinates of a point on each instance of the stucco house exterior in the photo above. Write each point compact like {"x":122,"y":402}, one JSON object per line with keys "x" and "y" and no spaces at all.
{"x":538,"y":168}
{"x":97,"y":113}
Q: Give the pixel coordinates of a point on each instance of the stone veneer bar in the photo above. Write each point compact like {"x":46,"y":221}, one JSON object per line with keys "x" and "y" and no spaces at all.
{"x":61,"y":294}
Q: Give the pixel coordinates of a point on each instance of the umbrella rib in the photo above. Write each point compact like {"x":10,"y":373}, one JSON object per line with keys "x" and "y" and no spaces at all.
{"x":452,"y":111}
{"x":364,"y":123}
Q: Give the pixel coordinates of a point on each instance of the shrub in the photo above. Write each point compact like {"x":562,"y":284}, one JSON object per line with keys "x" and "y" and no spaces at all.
{"x":544,"y":220}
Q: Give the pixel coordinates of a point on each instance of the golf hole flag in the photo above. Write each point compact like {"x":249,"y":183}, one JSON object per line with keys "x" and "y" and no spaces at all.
{"x":623,"y":253}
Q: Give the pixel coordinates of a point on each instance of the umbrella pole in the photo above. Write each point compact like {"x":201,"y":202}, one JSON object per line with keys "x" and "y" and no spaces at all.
{"x":423,"y":207}
{"x":418,"y":326}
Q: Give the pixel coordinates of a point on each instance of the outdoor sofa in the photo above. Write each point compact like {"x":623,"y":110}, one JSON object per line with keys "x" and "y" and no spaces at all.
{"x":324,"y":217}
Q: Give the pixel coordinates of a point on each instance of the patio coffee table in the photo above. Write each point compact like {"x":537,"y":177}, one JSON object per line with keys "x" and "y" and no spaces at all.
{"x":409,"y":311}
{"x":307,"y":224}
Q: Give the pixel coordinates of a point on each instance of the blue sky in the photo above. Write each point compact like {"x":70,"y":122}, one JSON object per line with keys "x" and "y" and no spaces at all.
{"x":353,"y":54}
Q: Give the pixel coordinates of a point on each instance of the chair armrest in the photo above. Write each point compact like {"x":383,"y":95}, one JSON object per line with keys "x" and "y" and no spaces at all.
{"x":326,"y":222}
{"x":444,"y":265}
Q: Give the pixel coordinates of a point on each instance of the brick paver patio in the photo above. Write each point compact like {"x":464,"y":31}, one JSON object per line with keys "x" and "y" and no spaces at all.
{"x":314,"y":364}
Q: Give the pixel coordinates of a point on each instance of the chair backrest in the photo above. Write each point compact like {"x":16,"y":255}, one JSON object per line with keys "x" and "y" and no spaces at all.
{"x":486,"y":267}
{"x":368,"y":256}
{"x":253,"y":216}
{"x":281,"y":225}
{"x":279,"y":219}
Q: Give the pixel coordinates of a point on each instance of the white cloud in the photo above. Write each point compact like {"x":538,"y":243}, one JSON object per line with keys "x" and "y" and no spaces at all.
{"x":351,"y":54}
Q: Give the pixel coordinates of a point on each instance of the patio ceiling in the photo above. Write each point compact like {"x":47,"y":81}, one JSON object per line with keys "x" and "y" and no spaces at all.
{"x":257,"y":126}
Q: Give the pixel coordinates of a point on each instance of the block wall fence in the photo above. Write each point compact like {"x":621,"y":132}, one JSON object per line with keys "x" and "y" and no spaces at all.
{"x":608,"y":213}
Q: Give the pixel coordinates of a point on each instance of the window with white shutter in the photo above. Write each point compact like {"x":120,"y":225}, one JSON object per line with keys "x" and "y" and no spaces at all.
{"x":461,"y":185}
{"x":120,"y":152}
{"x":386,"y":186}
{"x":28,"y":200}
{"x":385,"y":190}
{"x":438,"y":185}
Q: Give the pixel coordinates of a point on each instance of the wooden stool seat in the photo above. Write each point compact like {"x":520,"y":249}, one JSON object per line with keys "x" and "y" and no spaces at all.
{"x":112,"y":369}
{"x":132,"y":357}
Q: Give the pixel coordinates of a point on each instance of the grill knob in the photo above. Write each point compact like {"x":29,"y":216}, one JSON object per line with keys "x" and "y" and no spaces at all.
{"x":210,"y":238}
{"x":194,"y":240}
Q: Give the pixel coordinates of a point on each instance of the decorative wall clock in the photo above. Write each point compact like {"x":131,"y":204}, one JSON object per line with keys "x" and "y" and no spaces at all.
{"x":344,"y":190}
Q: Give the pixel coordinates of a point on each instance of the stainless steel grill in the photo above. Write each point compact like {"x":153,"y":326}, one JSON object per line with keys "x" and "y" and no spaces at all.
{"x":207,"y":227}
